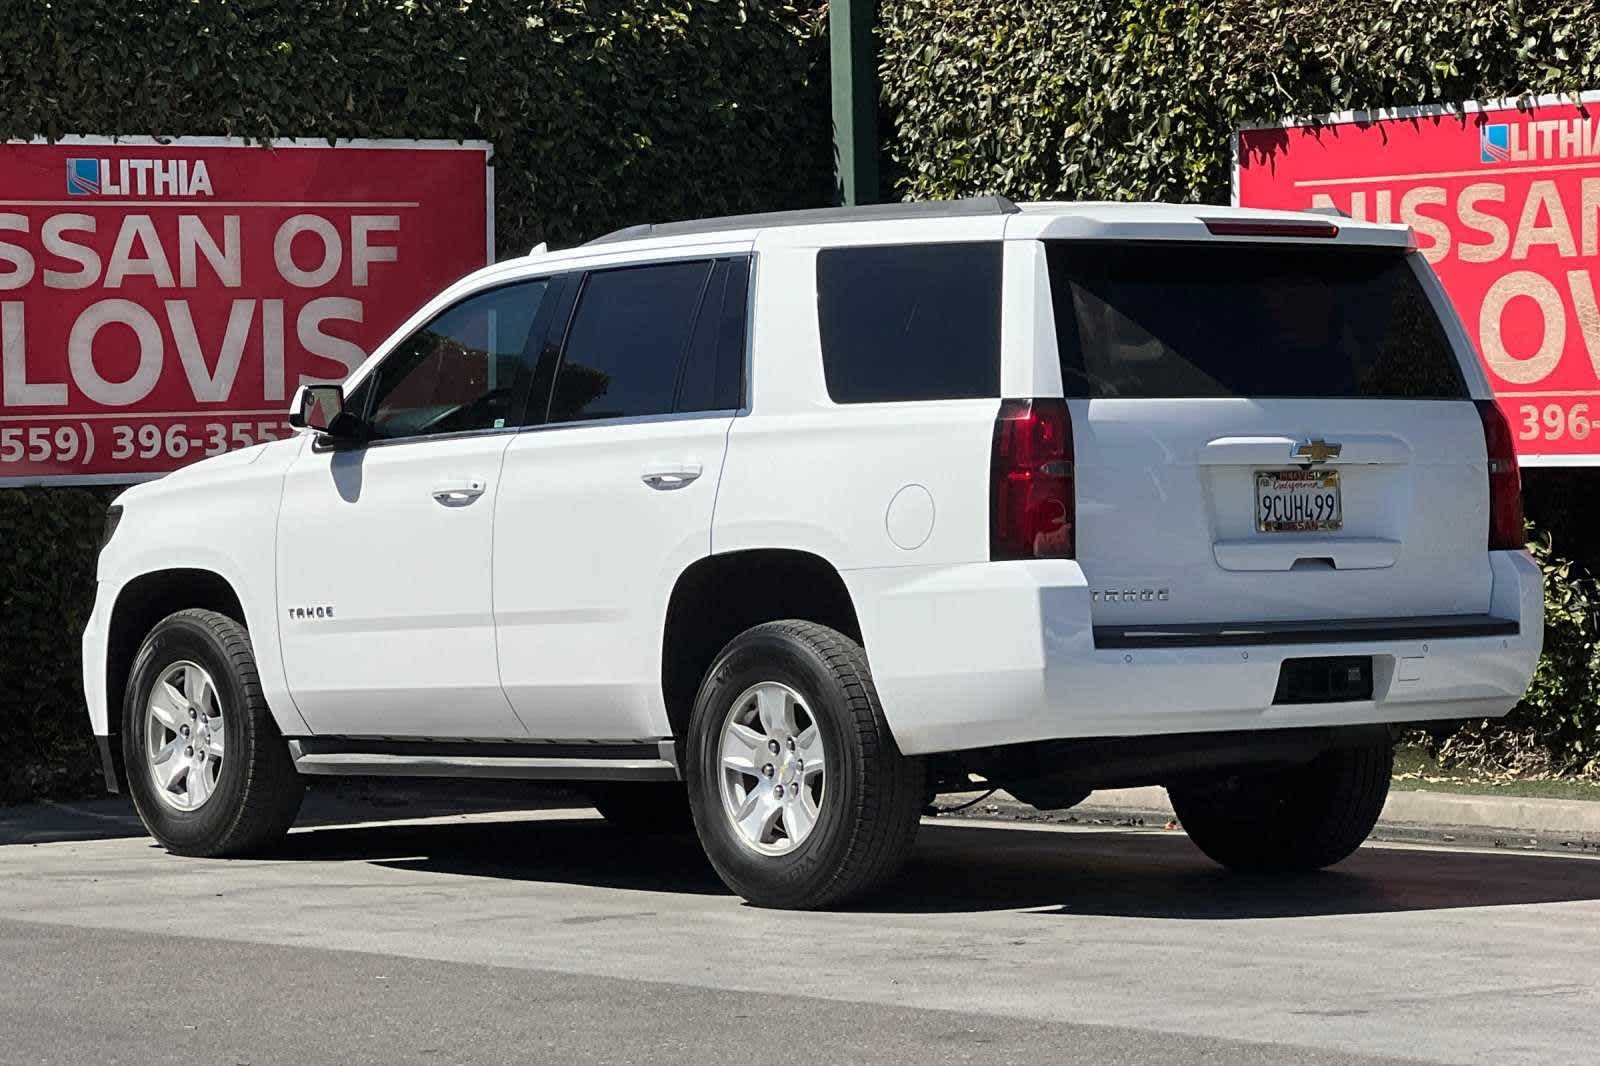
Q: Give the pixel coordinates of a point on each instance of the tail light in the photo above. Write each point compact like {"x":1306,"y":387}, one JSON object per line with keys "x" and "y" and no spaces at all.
{"x":1505,"y":482}
{"x":1032,"y":507}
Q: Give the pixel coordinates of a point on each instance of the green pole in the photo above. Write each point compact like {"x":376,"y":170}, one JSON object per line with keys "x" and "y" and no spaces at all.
{"x":855,"y":100}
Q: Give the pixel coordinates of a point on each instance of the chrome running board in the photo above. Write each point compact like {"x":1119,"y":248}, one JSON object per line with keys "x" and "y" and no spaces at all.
{"x":353,"y":757}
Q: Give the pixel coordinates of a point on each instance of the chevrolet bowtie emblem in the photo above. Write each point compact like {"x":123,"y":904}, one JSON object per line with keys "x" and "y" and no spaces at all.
{"x":1317,"y":451}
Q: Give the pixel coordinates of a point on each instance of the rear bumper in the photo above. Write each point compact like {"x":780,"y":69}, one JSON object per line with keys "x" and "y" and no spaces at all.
{"x":1248,"y":634}
{"x":1003,"y":653}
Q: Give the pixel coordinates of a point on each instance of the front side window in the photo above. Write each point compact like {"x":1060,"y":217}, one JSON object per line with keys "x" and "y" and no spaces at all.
{"x":467,"y":369}
{"x":630,"y":335}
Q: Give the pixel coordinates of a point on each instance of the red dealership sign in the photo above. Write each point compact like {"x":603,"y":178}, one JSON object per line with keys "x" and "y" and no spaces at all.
{"x":1505,"y":203}
{"x":161,"y":300}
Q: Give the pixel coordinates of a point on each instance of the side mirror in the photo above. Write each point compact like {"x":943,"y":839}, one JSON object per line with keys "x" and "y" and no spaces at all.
{"x":321,"y":407}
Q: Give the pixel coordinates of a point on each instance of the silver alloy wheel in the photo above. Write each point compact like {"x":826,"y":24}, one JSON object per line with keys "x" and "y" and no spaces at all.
{"x":773,"y":773}
{"x":183,"y":736}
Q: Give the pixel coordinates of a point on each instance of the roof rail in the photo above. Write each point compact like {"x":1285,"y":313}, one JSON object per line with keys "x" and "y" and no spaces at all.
{"x":976,"y":205}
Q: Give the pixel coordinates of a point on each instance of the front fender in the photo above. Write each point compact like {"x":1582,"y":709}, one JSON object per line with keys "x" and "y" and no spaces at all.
{"x":221,"y":516}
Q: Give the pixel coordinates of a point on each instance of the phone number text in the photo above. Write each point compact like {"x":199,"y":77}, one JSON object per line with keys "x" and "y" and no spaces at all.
{"x":77,"y":443}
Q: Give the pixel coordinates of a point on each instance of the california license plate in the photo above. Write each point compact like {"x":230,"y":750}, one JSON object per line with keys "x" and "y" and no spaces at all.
{"x":1298,"y":501}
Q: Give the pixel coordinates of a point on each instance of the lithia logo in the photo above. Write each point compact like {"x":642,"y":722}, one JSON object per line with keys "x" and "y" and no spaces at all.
{"x":137,"y":177}
{"x":1532,"y":142}
{"x":297,"y":614}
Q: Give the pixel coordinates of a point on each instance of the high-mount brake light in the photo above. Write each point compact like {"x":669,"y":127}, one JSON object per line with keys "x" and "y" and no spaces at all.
{"x":1505,"y":480}
{"x":1032,"y":502}
{"x":1238,"y":227}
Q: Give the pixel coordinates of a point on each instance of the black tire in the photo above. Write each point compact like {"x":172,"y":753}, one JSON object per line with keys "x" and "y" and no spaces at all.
{"x":257,"y":792}
{"x":1292,"y":820}
{"x":873,"y":795}
{"x":644,"y":807}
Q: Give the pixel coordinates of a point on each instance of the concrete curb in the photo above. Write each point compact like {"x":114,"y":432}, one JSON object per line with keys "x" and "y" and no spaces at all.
{"x":1417,"y":815}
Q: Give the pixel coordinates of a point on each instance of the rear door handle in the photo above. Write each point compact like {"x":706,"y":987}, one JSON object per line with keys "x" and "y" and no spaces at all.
{"x":671,"y":476}
{"x":457,"y":493}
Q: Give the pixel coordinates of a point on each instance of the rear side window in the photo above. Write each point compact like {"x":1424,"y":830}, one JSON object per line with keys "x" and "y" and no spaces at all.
{"x":628,"y":336}
{"x":1175,"y":321}
{"x":654,"y":339}
{"x":712,"y":377}
{"x":910,"y":322}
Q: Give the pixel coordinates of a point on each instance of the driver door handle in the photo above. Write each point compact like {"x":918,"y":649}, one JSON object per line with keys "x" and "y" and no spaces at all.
{"x":670,"y":476}
{"x":457,"y":493}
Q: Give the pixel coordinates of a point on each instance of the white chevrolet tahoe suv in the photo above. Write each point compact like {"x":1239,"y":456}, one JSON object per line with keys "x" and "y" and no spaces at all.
{"x":813,"y":516}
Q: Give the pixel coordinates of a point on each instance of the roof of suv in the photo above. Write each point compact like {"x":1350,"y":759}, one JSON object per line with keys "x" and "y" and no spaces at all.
{"x":916,"y":209}
{"x":1053,"y":219}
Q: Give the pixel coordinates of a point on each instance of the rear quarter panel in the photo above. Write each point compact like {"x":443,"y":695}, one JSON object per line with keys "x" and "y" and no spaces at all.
{"x":893,"y":495}
{"x":805,"y":473}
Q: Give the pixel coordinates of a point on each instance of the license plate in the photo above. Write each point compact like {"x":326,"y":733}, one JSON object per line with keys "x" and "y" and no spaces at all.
{"x":1298,"y":501}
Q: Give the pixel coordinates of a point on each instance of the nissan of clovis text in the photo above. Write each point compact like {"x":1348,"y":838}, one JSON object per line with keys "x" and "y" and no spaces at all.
{"x":781,"y":525}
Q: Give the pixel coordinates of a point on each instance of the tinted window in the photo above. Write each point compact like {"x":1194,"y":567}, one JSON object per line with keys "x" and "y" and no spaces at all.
{"x":731,"y":349}
{"x":1210,"y":320}
{"x":910,"y":322}
{"x":713,"y":373}
{"x":628,"y":338}
{"x":467,"y":369}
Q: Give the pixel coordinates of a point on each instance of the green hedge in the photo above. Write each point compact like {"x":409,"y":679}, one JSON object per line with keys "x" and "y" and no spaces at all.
{"x":48,"y":542}
{"x":602,"y":113}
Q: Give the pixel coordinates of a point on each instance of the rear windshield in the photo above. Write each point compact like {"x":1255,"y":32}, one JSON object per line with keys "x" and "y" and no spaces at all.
{"x":1176,"y":321}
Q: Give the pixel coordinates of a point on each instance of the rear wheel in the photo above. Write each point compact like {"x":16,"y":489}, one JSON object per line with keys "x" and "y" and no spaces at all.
{"x":207,"y":768}
{"x":1300,"y":818}
{"x":799,"y":793}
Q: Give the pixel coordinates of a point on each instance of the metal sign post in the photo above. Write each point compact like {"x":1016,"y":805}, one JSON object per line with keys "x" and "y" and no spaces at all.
{"x":855,"y":100}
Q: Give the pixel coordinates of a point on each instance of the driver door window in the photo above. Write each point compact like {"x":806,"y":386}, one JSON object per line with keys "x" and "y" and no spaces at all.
{"x":466,"y":370}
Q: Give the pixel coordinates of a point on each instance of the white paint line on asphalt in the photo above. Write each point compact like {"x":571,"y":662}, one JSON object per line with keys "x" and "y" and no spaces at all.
{"x":552,"y":814}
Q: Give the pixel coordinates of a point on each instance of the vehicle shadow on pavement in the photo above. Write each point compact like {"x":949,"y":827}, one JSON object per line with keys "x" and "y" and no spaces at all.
{"x":49,"y":822}
{"x":966,"y":868}
{"x":577,"y":851}
{"x":334,"y":802}
{"x":1160,"y":874}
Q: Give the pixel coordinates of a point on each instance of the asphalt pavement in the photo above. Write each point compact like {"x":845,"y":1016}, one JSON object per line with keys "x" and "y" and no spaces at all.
{"x":396,"y":930}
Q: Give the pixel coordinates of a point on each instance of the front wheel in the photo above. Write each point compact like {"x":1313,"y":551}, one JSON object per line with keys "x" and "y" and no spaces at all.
{"x":1295,"y":819}
{"x":208,"y":770}
{"x":799,"y":793}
